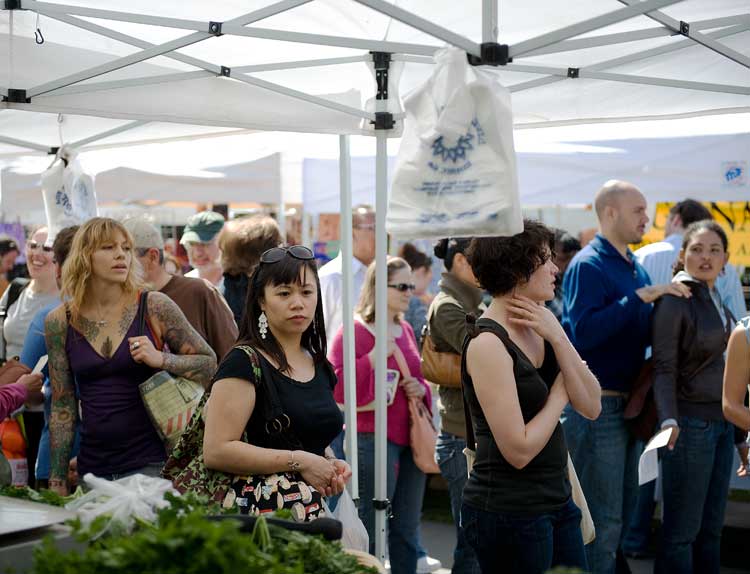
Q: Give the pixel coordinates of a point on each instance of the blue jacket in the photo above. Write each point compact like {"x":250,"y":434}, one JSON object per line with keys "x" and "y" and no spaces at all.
{"x":606,"y":321}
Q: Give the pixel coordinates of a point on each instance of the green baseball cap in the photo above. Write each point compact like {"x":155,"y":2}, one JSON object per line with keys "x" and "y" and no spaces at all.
{"x":202,"y":227}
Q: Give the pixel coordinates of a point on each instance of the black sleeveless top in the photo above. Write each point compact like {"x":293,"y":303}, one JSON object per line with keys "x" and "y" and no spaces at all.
{"x":494,"y":484}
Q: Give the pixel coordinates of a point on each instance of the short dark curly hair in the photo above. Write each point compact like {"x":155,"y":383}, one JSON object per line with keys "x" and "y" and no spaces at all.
{"x":502,"y":263}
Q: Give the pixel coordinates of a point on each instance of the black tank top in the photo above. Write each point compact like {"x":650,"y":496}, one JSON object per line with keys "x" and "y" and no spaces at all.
{"x":494,"y":484}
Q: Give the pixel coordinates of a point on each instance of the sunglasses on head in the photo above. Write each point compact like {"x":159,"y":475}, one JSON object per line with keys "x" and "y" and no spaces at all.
{"x":403,"y":287}
{"x":34,"y":245}
{"x":276,"y":254}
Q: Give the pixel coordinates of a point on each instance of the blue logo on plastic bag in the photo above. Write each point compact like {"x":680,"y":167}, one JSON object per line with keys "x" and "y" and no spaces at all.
{"x":459,"y":152}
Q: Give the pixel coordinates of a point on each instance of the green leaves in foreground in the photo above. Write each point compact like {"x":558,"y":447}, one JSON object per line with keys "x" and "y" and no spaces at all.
{"x":183,"y":541}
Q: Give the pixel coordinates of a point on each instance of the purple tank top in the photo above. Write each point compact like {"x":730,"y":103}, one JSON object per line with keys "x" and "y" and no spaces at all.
{"x":117,"y":435}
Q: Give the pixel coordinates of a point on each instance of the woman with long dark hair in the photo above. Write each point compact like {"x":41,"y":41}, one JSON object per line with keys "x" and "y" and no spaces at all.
{"x":283,"y":324}
{"x":690,"y":337}
{"x":103,"y":342}
{"x":518,"y":374}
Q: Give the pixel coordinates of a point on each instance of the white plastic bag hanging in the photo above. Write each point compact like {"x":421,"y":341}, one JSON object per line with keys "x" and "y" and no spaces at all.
{"x":354,"y":534}
{"x":456,"y":169}
{"x":69,"y":197}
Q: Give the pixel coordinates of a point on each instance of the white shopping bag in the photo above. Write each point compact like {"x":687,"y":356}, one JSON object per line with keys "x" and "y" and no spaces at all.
{"x":456,"y":169}
{"x":69,"y":197}
{"x":354,"y":534}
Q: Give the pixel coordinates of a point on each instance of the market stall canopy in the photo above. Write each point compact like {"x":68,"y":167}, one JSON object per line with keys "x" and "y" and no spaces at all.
{"x":245,"y":64}
{"x":257,"y":181}
{"x":565,"y":166}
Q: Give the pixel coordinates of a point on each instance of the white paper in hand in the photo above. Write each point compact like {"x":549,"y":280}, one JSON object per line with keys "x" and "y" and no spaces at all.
{"x":648,"y":465}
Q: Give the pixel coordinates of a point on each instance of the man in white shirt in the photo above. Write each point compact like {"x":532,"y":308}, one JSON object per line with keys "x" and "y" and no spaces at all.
{"x":201,"y":241}
{"x":331,"y":279}
{"x":658,"y":258}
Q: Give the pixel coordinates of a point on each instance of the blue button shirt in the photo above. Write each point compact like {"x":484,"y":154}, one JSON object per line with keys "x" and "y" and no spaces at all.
{"x":606,"y":321}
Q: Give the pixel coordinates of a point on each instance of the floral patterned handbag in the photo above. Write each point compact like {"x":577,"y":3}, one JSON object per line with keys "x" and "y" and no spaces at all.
{"x":250,"y":494}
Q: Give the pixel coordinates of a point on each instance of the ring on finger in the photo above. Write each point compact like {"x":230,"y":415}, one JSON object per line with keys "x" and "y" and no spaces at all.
{"x":135,"y":345}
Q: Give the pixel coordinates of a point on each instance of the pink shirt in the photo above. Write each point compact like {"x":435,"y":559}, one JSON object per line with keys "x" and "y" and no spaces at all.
{"x":11,"y":398}
{"x":398,"y":412}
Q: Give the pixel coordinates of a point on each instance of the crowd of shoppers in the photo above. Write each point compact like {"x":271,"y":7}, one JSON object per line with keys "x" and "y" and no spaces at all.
{"x":537,"y":380}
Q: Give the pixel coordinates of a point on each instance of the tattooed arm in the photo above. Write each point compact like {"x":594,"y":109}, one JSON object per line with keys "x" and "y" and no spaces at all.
{"x":64,"y":409}
{"x":190,"y":356}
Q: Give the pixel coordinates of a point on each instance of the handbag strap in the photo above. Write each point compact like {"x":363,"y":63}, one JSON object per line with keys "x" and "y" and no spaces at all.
{"x":276,"y":420}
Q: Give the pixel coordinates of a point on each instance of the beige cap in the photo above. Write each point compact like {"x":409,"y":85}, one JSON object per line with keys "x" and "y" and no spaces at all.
{"x":145,"y":234}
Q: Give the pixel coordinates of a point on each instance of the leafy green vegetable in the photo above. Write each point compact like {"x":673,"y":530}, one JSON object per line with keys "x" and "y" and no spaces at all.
{"x":184,"y":541}
{"x":46,"y":496}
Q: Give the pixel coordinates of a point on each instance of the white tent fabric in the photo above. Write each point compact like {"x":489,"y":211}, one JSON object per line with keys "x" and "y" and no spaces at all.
{"x":651,"y":70}
{"x":665,"y":169}
{"x":256,"y":181}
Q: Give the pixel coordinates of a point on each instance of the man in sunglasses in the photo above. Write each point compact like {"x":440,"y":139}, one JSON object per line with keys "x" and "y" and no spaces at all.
{"x":331,"y":278}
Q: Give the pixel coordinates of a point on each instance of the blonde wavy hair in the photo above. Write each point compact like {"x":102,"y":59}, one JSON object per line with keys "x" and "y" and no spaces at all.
{"x":77,"y":270}
{"x":366,"y":305}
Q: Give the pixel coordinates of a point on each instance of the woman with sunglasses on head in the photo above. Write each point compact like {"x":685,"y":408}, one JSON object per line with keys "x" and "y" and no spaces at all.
{"x":283,"y":323}
{"x":406,"y":482}
{"x":519,"y":372}
{"x":103,"y":342}
{"x":30,"y":296}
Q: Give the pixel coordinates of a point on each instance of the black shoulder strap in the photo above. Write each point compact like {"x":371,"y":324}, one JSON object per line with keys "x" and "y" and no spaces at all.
{"x":143,"y":313}
{"x":474,"y":327}
{"x":14,"y":292}
{"x":277,"y":422}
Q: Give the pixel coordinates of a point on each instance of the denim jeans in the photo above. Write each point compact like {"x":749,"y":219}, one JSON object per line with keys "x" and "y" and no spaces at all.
{"x":452,"y":462}
{"x":696,"y":485}
{"x":638,"y":534}
{"x":525,"y":544}
{"x":405,"y":490}
{"x":605,"y":457}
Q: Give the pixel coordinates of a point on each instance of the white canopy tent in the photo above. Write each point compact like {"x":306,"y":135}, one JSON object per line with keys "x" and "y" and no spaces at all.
{"x":569,"y":172}
{"x":210,"y":64}
{"x":133,"y":179}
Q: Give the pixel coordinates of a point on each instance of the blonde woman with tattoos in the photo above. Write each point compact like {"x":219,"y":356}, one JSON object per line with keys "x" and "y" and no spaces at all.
{"x":100,"y":351}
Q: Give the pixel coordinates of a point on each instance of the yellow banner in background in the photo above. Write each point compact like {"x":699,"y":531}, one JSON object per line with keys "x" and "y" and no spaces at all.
{"x":734,"y":217}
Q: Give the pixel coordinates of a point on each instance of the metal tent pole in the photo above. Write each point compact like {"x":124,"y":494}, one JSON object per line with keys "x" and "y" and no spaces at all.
{"x":350,"y":381}
{"x":381,"y":340}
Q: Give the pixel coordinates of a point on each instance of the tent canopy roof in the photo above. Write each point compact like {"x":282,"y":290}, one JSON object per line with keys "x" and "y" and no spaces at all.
{"x":122,"y":62}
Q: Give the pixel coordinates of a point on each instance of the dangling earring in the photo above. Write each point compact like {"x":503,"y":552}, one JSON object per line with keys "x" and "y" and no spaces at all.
{"x":263,"y":324}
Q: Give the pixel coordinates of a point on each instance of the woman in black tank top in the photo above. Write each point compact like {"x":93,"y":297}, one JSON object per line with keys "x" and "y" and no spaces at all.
{"x":519,"y":371}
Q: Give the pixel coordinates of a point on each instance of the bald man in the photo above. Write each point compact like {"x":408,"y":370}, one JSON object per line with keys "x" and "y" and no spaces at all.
{"x":607,"y":306}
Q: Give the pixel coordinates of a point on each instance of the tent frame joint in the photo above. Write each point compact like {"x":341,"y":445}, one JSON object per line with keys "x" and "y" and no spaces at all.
{"x":214,"y":28}
{"x":384,"y":121}
{"x":574,"y":73}
{"x":226,"y":72}
{"x":492,"y":54}
{"x":384,"y":504}
{"x":12,"y":5}
{"x":382,"y":64}
{"x":16,"y":96}
{"x":684,"y":28}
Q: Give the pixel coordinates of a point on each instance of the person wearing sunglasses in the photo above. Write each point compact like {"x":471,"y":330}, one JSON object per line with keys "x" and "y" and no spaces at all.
{"x":21,"y":302}
{"x":406,"y":483}
{"x":283,"y":324}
